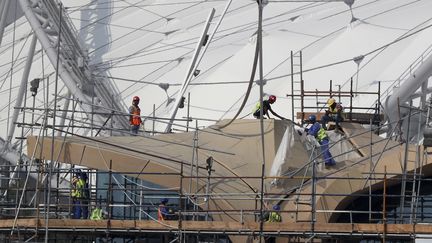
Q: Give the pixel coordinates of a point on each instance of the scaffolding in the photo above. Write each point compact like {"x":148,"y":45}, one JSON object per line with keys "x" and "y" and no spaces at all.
{"x":37,"y":203}
{"x":382,"y":203}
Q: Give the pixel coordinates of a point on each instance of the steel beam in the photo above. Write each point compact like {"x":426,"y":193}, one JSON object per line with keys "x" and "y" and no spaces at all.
{"x":22,"y":88}
{"x":190,"y":71}
{"x":3,"y":17}
{"x":43,"y":17}
{"x":406,"y":90}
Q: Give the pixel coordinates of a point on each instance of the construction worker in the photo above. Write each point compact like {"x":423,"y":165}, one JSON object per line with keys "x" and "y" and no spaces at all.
{"x":79,"y":197}
{"x":163,"y":209}
{"x":274,"y":215}
{"x":135,"y":116}
{"x":97,"y":213}
{"x":267,"y":107}
{"x":320,"y":135}
{"x":333,"y":113}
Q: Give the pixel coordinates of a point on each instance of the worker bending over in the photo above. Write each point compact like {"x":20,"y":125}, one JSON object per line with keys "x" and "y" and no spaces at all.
{"x":267,"y":107}
{"x":321,"y":136}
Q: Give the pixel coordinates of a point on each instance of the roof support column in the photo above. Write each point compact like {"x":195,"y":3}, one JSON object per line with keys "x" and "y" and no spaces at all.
{"x":3,"y":16}
{"x":22,"y":88}
{"x":190,"y":71}
{"x":51,"y":52}
{"x":64,"y":113}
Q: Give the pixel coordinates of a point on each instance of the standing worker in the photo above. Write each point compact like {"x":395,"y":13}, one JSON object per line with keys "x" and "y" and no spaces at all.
{"x":333,"y":113}
{"x":135,"y":116}
{"x":163,"y":210}
{"x":321,"y":136}
{"x":267,"y":107}
{"x":79,"y":209}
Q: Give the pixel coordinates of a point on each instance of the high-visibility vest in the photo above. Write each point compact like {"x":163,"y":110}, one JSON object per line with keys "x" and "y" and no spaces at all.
{"x":333,"y":111}
{"x":258,"y":107}
{"x":274,"y":217}
{"x":136,"y":116}
{"x":321,"y":134}
{"x":78,"y":189}
{"x":96,"y":214}
{"x":338,"y":109}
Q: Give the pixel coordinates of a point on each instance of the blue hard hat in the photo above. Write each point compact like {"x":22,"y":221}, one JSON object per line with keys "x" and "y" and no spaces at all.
{"x":312,"y":118}
{"x":164,"y":200}
{"x":276,"y":207}
{"x":77,"y":172}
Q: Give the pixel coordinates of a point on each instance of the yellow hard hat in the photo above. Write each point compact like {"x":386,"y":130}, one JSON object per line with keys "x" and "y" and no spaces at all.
{"x":331,"y":101}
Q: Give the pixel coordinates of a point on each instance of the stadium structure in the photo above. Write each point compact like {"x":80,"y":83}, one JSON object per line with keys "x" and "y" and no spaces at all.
{"x":69,"y":70}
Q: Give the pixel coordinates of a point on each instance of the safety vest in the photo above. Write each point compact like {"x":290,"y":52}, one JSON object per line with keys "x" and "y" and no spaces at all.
{"x":96,"y":214}
{"x":78,"y":190}
{"x":321,"y":134}
{"x":257,"y":108}
{"x":274,"y":217}
{"x":136,"y":116}
{"x":337,"y":109}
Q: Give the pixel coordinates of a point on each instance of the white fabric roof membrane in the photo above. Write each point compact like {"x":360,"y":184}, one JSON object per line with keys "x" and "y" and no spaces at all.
{"x":142,"y":44}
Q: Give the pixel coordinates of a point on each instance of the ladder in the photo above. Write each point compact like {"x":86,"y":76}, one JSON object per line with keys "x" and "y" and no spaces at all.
{"x":313,"y":149}
{"x":297,"y":84}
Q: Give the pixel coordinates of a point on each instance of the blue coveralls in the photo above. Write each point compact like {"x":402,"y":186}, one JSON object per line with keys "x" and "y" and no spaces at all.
{"x":323,"y":141}
{"x":80,"y":199}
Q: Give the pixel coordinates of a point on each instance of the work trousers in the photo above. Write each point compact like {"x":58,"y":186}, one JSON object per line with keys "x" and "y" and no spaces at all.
{"x":328,"y":158}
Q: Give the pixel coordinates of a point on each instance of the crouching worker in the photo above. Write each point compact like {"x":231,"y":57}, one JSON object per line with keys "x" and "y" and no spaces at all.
{"x":97,"y":213}
{"x":321,"y":136}
{"x":272,"y":216}
{"x":333,"y":113}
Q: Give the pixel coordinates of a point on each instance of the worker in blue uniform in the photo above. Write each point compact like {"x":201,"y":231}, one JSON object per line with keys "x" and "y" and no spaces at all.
{"x":321,"y":136}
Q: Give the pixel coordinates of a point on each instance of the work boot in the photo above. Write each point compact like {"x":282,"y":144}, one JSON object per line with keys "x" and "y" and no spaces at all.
{"x":338,"y":129}
{"x":329,"y":165}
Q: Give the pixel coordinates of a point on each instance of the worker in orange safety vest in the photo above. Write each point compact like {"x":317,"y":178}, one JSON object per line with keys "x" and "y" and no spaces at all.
{"x":135,"y":116}
{"x":163,"y":209}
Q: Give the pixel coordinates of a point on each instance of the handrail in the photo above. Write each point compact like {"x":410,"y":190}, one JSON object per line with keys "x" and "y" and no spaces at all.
{"x":405,"y":74}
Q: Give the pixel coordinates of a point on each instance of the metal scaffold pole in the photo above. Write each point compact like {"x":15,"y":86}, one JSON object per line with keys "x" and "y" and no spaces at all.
{"x":261,"y":90}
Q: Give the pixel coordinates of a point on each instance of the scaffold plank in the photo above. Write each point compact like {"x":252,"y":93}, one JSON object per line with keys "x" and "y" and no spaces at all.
{"x":218,"y":226}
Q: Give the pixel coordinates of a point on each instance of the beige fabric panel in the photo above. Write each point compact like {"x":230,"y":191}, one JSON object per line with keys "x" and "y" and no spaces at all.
{"x":236,"y":150}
